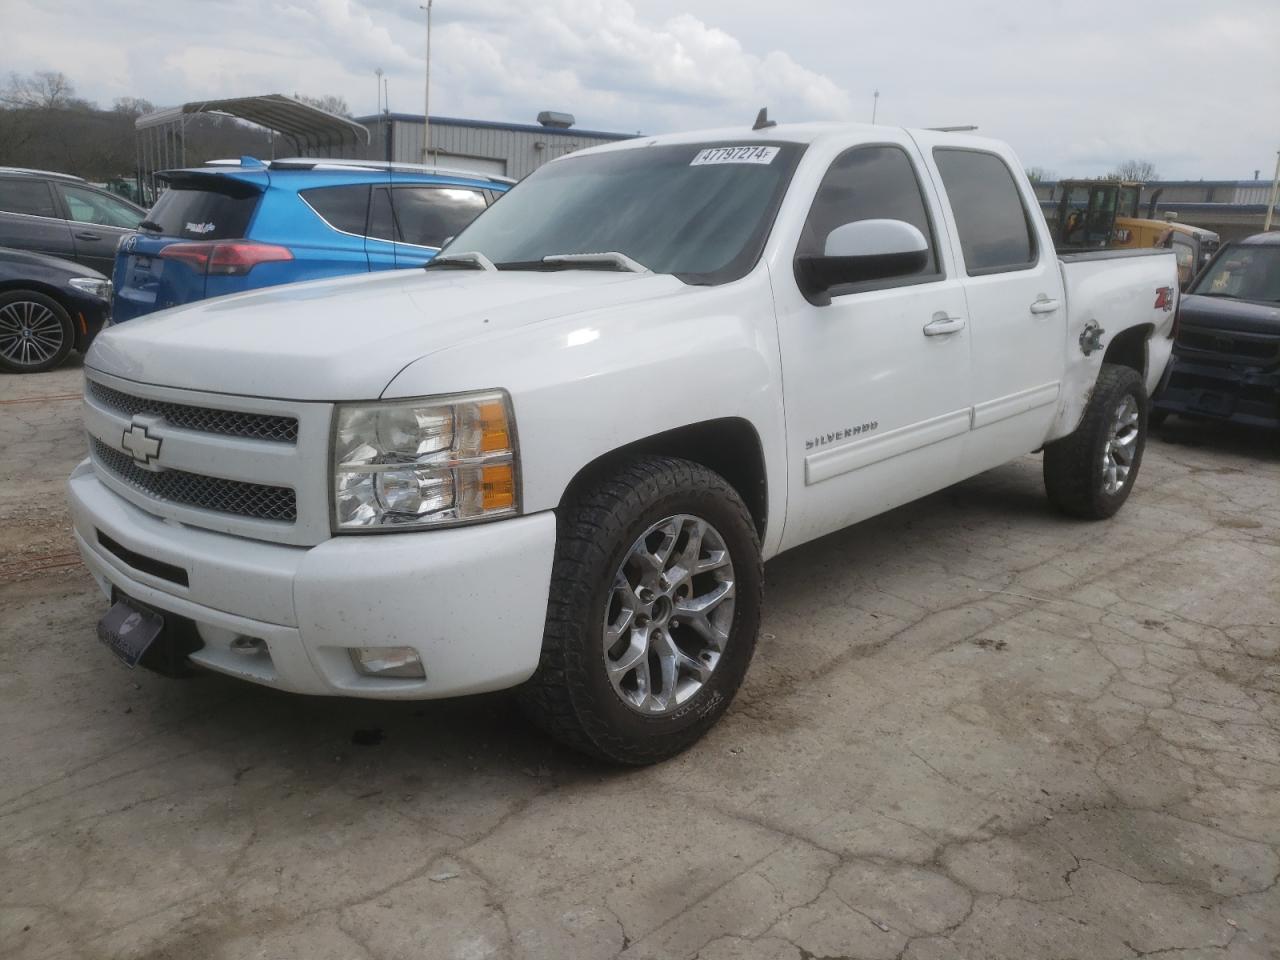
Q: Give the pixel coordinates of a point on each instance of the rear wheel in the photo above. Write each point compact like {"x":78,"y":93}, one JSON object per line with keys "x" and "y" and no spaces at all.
{"x":35,"y":332}
{"x":1091,"y":472}
{"x":655,"y":605}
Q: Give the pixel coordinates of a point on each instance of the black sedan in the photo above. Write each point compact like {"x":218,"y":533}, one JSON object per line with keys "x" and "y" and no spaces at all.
{"x":48,"y":307}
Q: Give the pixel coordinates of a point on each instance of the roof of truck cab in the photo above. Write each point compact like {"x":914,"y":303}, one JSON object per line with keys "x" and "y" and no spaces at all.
{"x":784,"y":133}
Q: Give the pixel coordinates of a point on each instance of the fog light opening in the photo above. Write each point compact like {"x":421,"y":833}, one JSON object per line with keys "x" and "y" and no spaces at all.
{"x":402,"y":662}
{"x":248,"y":646}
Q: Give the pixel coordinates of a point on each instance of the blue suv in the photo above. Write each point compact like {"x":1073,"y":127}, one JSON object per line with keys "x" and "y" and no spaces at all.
{"x":233,"y":226}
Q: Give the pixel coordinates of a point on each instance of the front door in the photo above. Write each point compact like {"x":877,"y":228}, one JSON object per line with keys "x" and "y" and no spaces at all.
{"x":98,"y":221}
{"x":877,"y":380}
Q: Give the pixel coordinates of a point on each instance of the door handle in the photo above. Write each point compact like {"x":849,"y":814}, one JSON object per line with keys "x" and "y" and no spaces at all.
{"x":88,"y":236}
{"x":942,"y":324}
{"x":1044,"y":305}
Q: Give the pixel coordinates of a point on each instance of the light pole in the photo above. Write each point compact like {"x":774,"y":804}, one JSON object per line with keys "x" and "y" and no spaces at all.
{"x":378,"y":83}
{"x":1274,"y":195}
{"x":875,"y":102}
{"x":426,"y":97}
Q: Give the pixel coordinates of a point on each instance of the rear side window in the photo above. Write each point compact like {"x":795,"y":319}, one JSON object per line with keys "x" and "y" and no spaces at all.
{"x":26,"y":196}
{"x":344,"y":208}
{"x":429,"y":215}
{"x":204,"y":213}
{"x":382,"y":223}
{"x":995,"y":230}
{"x":869,"y":183}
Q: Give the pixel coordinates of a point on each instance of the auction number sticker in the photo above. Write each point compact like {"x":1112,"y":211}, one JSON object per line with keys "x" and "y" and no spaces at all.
{"x":734,"y":155}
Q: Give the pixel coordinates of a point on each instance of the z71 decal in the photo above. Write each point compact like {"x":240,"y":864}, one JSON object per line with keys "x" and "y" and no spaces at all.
{"x":842,"y":434}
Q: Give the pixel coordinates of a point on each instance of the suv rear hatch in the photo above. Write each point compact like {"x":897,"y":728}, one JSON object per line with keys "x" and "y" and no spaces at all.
{"x":157,"y":267}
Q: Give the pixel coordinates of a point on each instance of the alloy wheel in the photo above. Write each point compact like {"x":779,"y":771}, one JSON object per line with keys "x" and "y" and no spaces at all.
{"x":1121,"y":445}
{"x":669,"y":614}
{"x":30,"y":333}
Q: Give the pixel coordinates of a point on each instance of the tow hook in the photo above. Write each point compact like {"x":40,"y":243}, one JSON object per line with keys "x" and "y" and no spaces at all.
{"x":1091,"y":337}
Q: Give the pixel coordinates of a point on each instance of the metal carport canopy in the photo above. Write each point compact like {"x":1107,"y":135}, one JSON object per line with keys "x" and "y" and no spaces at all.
{"x":307,"y":126}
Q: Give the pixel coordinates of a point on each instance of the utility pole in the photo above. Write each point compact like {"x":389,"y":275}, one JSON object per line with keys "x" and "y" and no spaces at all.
{"x":875,"y":102}
{"x":1274,"y":196}
{"x":426,"y":98}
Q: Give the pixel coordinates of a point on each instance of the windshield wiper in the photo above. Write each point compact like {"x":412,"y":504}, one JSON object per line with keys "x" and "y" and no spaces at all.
{"x":610,"y":258}
{"x":150,"y":225}
{"x":466,"y":260}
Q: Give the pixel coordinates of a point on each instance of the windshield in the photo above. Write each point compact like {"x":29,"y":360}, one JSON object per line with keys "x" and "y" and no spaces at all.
{"x":1245,"y":272}
{"x":699,"y":211}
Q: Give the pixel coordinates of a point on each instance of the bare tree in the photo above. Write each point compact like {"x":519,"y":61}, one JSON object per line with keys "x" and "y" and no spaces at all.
{"x":1040,"y":175}
{"x":1141,"y":170}
{"x":42,"y":90}
{"x":133,"y":106}
{"x":329,"y":102}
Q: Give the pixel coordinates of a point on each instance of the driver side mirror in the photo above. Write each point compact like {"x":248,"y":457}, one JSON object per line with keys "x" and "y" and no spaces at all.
{"x":861,"y":251}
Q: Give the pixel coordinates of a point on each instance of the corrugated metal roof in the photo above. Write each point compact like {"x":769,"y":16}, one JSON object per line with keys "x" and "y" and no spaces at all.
{"x":499,"y":125}
{"x":305,"y":125}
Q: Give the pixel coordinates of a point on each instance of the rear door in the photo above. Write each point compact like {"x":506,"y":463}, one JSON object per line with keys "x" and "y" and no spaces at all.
{"x":1013,"y":289}
{"x":30,"y":220}
{"x":199,"y":207}
{"x":98,"y":221}
{"x":428,"y":215}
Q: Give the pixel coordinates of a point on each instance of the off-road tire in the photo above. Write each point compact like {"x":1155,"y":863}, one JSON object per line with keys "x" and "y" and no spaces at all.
{"x":1073,"y":466}
{"x":570,"y":695}
{"x":60,"y":318}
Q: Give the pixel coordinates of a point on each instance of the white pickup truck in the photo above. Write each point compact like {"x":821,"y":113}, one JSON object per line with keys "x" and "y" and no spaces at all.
{"x":558,"y":456}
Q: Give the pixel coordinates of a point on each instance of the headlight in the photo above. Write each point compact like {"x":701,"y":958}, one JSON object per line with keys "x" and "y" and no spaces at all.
{"x":92,"y":286}
{"x":403,"y":464}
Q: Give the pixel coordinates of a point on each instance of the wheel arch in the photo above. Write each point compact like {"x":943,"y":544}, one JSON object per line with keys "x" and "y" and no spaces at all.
{"x":1128,"y":348}
{"x":730,"y":446}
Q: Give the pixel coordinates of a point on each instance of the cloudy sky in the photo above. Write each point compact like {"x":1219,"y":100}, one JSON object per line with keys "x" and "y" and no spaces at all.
{"x":1074,"y":85}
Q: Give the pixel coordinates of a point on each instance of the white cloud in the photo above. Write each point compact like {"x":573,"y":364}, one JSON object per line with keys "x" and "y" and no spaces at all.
{"x":1075,"y":86}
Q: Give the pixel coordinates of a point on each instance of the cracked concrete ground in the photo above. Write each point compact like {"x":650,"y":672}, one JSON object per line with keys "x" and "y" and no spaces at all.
{"x":973,"y":729}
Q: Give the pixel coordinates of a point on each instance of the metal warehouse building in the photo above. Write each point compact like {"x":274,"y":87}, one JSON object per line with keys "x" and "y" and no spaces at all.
{"x":507,"y":149}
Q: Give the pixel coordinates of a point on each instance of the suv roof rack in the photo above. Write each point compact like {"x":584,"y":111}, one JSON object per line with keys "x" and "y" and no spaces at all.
{"x":326,"y":163}
{"x":43,"y":173}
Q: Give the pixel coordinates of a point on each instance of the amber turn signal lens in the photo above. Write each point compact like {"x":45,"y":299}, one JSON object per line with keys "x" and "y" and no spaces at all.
{"x":494,"y":435}
{"x":498,"y":487}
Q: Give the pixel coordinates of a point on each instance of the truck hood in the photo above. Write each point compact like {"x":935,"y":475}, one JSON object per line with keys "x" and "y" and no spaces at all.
{"x":346,"y":338}
{"x":1223,"y":313}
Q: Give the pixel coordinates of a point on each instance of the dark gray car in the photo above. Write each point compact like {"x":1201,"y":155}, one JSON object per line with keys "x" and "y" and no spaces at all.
{"x":63,"y":216}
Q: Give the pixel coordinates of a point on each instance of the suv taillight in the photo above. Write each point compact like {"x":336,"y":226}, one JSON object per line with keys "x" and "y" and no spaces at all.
{"x":225,"y":258}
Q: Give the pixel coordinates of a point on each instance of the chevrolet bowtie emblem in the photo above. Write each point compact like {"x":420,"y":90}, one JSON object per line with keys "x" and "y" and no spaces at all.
{"x":139,"y":444}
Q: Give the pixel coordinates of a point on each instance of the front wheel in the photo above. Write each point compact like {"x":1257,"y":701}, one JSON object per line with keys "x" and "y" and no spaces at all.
{"x":1091,"y":472}
{"x":654,"y":610}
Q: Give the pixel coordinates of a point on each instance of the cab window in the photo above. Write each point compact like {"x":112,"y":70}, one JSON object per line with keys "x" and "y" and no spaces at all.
{"x":994,"y":227}
{"x":869,"y":183}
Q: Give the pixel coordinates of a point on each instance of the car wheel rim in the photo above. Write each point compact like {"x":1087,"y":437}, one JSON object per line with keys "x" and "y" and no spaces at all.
{"x":669,"y":614}
{"x":1122,"y":443}
{"x":30,"y":333}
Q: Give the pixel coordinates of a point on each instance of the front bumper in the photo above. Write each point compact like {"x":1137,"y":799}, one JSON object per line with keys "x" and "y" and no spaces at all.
{"x":471,"y":600}
{"x":1220,"y":390}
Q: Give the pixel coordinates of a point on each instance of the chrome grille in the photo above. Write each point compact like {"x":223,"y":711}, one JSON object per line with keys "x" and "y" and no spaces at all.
{"x":230,"y":423}
{"x":257,"y":500}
